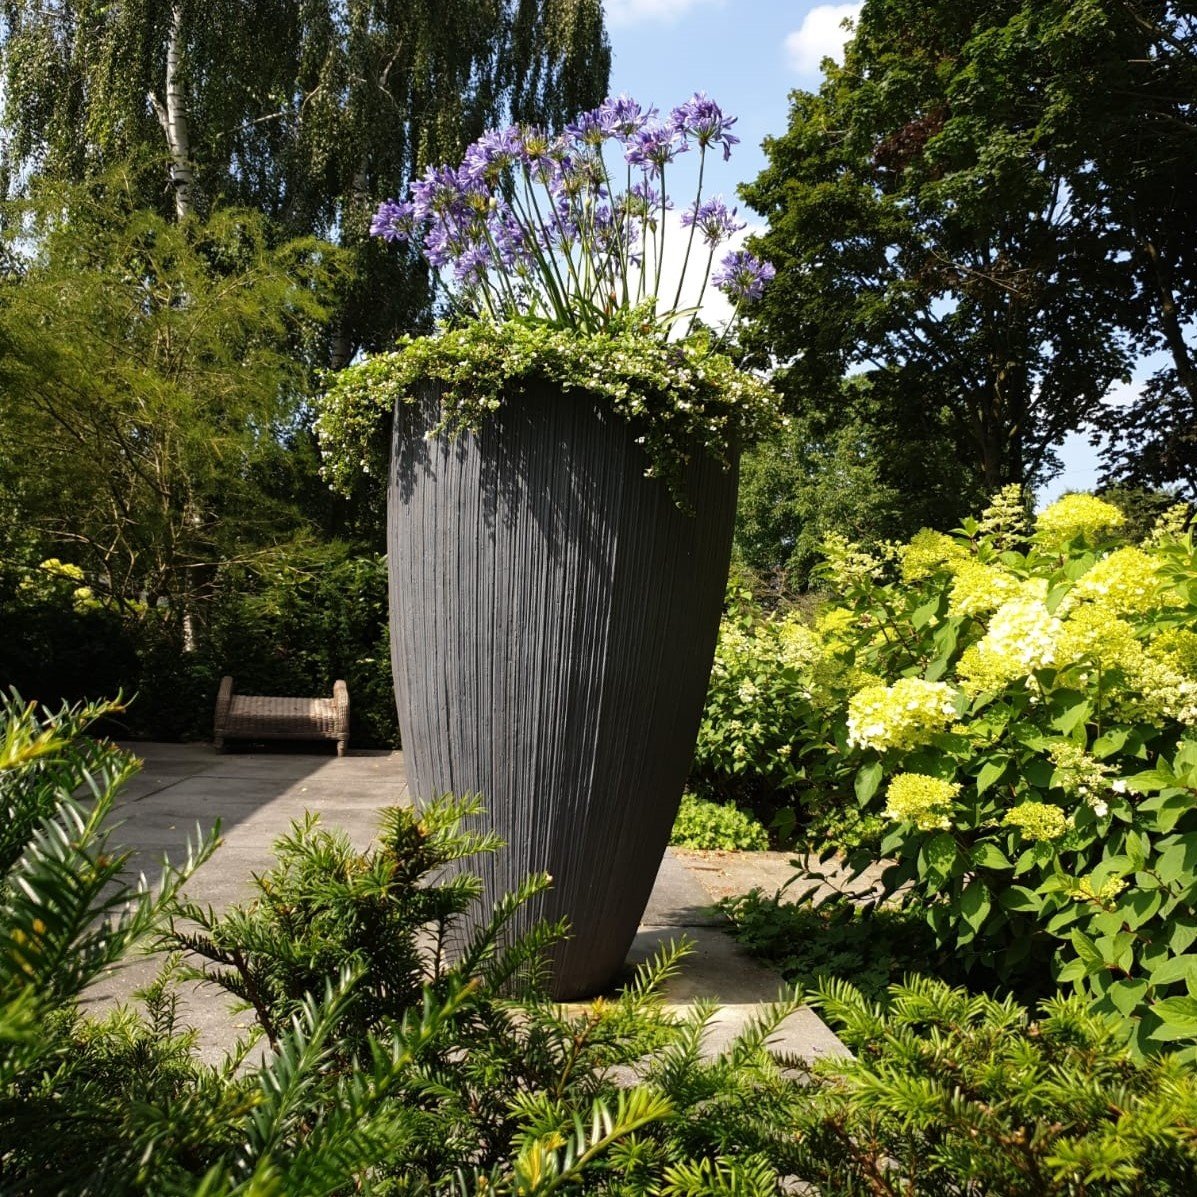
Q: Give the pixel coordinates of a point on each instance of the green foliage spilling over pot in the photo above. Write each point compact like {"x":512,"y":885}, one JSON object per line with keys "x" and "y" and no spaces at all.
{"x":681,"y":397}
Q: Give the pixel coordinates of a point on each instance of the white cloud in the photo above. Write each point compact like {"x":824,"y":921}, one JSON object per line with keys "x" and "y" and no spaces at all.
{"x":639,"y":12}
{"x":821,"y":35}
{"x":715,"y":309}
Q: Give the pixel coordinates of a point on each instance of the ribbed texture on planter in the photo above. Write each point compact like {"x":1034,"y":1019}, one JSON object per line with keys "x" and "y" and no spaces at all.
{"x":553,"y":621}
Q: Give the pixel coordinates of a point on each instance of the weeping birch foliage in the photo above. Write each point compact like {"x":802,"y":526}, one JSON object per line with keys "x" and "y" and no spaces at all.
{"x":306,"y":110}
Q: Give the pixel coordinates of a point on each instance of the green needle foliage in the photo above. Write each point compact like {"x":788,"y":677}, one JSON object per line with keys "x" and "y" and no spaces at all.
{"x":395,"y":1055}
{"x":387,"y":1064}
{"x":954,"y":1094}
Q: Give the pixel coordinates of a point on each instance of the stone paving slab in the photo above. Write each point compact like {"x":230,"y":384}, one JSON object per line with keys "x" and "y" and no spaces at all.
{"x":255,"y":797}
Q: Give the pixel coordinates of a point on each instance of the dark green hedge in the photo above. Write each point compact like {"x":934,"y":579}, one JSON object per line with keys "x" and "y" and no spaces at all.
{"x":292,"y":628}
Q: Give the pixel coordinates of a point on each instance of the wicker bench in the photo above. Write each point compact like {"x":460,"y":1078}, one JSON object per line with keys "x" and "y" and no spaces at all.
{"x":265,"y":717}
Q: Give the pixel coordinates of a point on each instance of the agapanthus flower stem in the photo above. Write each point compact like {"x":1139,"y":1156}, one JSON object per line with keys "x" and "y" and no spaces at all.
{"x":550,"y":272}
{"x":681,"y":278}
{"x":661,"y":239}
{"x":702,"y":290}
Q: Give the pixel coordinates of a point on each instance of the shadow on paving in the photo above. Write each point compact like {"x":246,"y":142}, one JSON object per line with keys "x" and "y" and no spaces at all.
{"x":256,"y":796}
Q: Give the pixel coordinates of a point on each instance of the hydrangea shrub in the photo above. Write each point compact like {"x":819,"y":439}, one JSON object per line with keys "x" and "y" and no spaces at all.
{"x":1050,"y":818}
{"x":763,"y":686}
{"x":1018,"y":700}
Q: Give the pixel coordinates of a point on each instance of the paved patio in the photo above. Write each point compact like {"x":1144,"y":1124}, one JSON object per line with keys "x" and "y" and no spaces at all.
{"x":256,"y":795}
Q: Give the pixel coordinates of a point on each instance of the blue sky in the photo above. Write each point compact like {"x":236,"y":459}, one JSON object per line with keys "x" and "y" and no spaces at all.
{"x":748,"y":55}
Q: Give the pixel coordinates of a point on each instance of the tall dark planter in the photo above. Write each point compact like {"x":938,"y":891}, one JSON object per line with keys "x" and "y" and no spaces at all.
{"x":553,"y":621}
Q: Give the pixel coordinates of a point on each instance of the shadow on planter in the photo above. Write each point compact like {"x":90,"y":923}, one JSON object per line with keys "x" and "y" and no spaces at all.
{"x":553,"y":621}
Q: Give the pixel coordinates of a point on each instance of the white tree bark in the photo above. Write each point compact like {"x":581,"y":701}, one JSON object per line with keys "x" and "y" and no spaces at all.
{"x":172,"y":116}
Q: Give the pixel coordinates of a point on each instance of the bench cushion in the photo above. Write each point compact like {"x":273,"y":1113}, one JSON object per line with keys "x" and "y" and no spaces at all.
{"x":254,"y":714}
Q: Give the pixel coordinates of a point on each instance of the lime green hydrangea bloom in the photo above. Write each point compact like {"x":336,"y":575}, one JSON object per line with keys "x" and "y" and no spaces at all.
{"x":1127,"y":582}
{"x":1178,"y":648}
{"x":1109,"y":889}
{"x":1021,"y":638}
{"x":1094,"y":634}
{"x":924,"y":801}
{"x":928,"y":552}
{"x":1171,"y":526}
{"x":1161,"y":689}
{"x":1076,"y":515}
{"x":1037,"y":820}
{"x":1079,"y":773}
{"x":62,"y":569}
{"x":979,"y":588}
{"x":905,"y":715}
{"x":847,"y":564}
{"x":836,"y":626}
{"x":1004,"y":522}
{"x":799,"y":644}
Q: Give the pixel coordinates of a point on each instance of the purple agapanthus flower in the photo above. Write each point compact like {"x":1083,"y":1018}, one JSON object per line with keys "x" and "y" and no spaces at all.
{"x":713,"y":220}
{"x":622,"y":116}
{"x":394,"y":221}
{"x":577,"y":173}
{"x":493,"y":152}
{"x":590,"y":128}
{"x":742,"y":275}
{"x":565,"y":231}
{"x":442,"y":192}
{"x":471,"y":265}
{"x":654,"y":147}
{"x":531,"y":220}
{"x":701,"y":118}
{"x":510,"y":240}
{"x":644,"y":195}
{"x":445,"y":242}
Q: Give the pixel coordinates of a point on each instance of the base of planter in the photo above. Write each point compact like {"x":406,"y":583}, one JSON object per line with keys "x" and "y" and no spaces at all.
{"x":553,"y":621}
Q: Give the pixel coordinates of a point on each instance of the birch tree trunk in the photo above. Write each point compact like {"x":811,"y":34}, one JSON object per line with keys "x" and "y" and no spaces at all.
{"x":172,"y":116}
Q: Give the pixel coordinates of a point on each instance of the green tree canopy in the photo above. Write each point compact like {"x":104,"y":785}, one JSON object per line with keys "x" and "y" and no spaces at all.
{"x":154,"y":375}
{"x":973,"y":203}
{"x":861,"y":474}
{"x":309,"y":112}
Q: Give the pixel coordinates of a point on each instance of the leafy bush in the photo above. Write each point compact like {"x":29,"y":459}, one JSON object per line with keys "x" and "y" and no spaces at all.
{"x":713,"y":826}
{"x":773,"y":713}
{"x":871,"y":946}
{"x":292,"y":624}
{"x":1028,"y":734}
{"x":762,"y":688}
